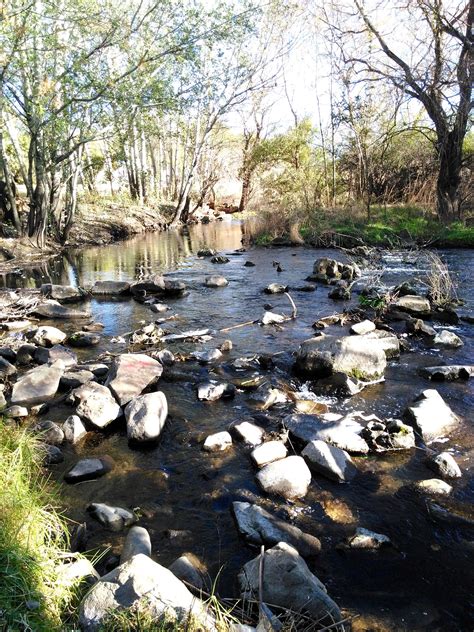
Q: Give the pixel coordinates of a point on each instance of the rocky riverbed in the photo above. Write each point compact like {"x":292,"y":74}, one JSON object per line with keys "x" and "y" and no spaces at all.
{"x":315,"y":402}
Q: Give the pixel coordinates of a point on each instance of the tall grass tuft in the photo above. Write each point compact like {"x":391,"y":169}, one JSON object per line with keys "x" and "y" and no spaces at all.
{"x":441,"y":284}
{"x":33,"y":540}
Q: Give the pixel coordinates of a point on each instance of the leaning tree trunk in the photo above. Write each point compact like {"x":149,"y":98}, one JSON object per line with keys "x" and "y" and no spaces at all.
{"x":449,"y":179}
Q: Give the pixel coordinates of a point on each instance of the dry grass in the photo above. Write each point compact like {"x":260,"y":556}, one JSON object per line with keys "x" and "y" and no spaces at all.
{"x":442,"y":286}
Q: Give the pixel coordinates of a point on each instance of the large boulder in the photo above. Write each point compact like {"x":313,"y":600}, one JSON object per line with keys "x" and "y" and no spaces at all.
{"x":344,"y":433}
{"x":146,"y":415}
{"x":288,"y":583}
{"x":357,"y":356}
{"x":258,"y":527}
{"x":53,"y":309}
{"x":289,"y":477}
{"x":110,"y":288}
{"x":48,"y":336}
{"x":329,"y":270}
{"x":63,"y":293}
{"x":412,"y":304}
{"x":329,"y":461}
{"x":37,"y":386}
{"x":141,"y":582}
{"x":95,"y":403}
{"x":130,"y":374}
{"x":55,"y":353}
{"x":430,"y":415}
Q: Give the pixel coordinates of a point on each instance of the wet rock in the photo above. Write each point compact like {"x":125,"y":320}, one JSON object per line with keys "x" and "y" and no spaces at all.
{"x":220,"y":259}
{"x":249,"y":433}
{"x":447,"y":338}
{"x":212,"y":391}
{"x":226,"y":346}
{"x":8,"y":354}
{"x":327,"y":270}
{"x":6,"y":369}
{"x":159,"y":308}
{"x":448,"y":373}
{"x":55,"y":353}
{"x":365,"y":539}
{"x":444,"y":465}
{"x":146,"y":416}
{"x":364,"y":327}
{"x":15,"y":412}
{"x":74,"y":379}
{"x":97,"y":368}
{"x":418,"y":327}
{"x":49,"y":432}
{"x":433,"y":486}
{"x":342,"y":292}
{"x":52,"y":454}
{"x":25,"y":354}
{"x":268,"y":453}
{"x":445,"y":315}
{"x":259,"y":527}
{"x":130,"y":374}
{"x":206,"y":252}
{"x":384,"y":436}
{"x":94,"y":327}
{"x":74,"y":429}
{"x":412,"y":304}
{"x":357,"y":356}
{"x":343,"y":434}
{"x":339,"y":385}
{"x":268,"y":396}
{"x":271,"y":318}
{"x":142,"y":581}
{"x":452,"y":516}
{"x":430,"y":415}
{"x":96,"y":404}
{"x":87,"y":470}
{"x":63,"y":293}
{"x":217,"y":442}
{"x":137,"y":542}
{"x":276,"y":288}
{"x":405,"y":289}
{"x":205,"y":357}
{"x":288,"y":583}
{"x":38,"y":385}
{"x":187,"y":568}
{"x":386,"y":341}
{"x":52,"y":310}
{"x":289,"y":477}
{"x":84,"y":339}
{"x":165,"y":357}
{"x":110,"y":288}
{"x":113,"y":518}
{"x":216,"y":281}
{"x":48,"y":336}
{"x":329,"y":461}
{"x":249,"y":264}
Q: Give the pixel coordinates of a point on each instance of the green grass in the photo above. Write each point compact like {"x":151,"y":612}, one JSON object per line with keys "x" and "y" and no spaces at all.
{"x":33,"y":540}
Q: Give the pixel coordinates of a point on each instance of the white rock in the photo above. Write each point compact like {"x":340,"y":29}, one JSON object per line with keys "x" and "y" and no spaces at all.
{"x":146,"y":416}
{"x":363,"y":327}
{"x":289,"y":477}
{"x":137,"y":542}
{"x":434,"y":486}
{"x":329,"y":460}
{"x":130,"y":374}
{"x":96,"y":404}
{"x":430,"y":415}
{"x":74,"y":429}
{"x":38,"y":385}
{"x":445,"y":465}
{"x":365,"y":539}
{"x":48,"y":336}
{"x":447,"y":338}
{"x":218,"y":442}
{"x":269,"y":452}
{"x":249,"y":433}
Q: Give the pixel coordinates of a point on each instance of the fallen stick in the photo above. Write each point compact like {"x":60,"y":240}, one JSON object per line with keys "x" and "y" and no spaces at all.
{"x":249,"y":322}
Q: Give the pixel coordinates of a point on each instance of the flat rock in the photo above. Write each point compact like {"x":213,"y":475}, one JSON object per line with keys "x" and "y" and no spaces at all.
{"x":216,"y":281}
{"x":48,"y":336}
{"x":74,"y":379}
{"x":87,"y":470}
{"x":52,"y":310}
{"x":220,"y":259}
{"x":343,"y":433}
{"x":15,"y":412}
{"x":146,"y":416}
{"x":329,"y":461}
{"x":110,"y":288}
{"x":130,"y":374}
{"x":289,"y":477}
{"x":259,"y":527}
{"x":430,"y":415}
{"x":37,"y":386}
{"x":73,"y":428}
{"x":249,"y":433}
{"x":96,"y":404}
{"x":364,"y":327}
{"x":448,"y":339}
{"x":433,"y":486}
{"x":288,"y":583}
{"x":412,"y":304}
{"x":268,"y":452}
{"x":212,"y":391}
{"x":57,"y":352}
{"x":113,"y":518}
{"x":217,"y":442}
{"x":63,"y":293}
{"x":444,"y":465}
{"x":448,"y":373}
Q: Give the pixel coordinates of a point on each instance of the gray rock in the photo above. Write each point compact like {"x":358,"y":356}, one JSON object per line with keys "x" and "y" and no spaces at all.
{"x":275,"y":288}
{"x":15,"y":412}
{"x":327,"y":270}
{"x":49,"y":432}
{"x":63,"y":293}
{"x":159,"y":308}
{"x":137,"y":542}
{"x":226,"y":346}
{"x":74,"y":379}
{"x":52,"y":454}
{"x":365,"y":539}
{"x":220,"y":259}
{"x":110,"y":288}
{"x":87,"y":470}
{"x":430,"y":415}
{"x":84,"y":339}
{"x":249,"y":433}
{"x":259,"y":527}
{"x":433,"y":486}
{"x":364,"y":327}
{"x":6,"y":369}
{"x":48,"y":336}
{"x":342,"y":292}
{"x":141,"y":581}
{"x":217,"y":442}
{"x":448,"y":373}
{"x":269,"y":452}
{"x":330,"y":461}
{"x":130,"y":374}
{"x":343,"y":434}
{"x":57,"y":352}
{"x":96,"y":404}
{"x":444,"y":465}
{"x":25,"y":354}
{"x":97,"y":368}
{"x":69,"y":572}
{"x":113,"y":518}
{"x":418,"y":327}
{"x":356,"y":356}
{"x":412,"y":304}
{"x":339,"y":385}
{"x":146,"y":416}
{"x":384,"y":436}
{"x":74,"y":429}
{"x":206,"y":252}
{"x":174,"y":287}
{"x":8,"y":354}
{"x":94,"y":327}
{"x":52,"y":310}
{"x":216,"y":281}
{"x":384,"y":340}
{"x":152,"y":285}
{"x":447,"y":338}
{"x":38,"y":385}
{"x":288,"y":583}
{"x":212,"y":391}
{"x":15,"y":325}
{"x":187,"y":568}
{"x":205,"y":357}
{"x":289,"y":477}
{"x":165,"y":357}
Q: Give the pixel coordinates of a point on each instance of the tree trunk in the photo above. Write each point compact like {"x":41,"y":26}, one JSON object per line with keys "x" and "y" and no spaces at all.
{"x":244,"y":196}
{"x":449,"y":179}
{"x":10,"y":206}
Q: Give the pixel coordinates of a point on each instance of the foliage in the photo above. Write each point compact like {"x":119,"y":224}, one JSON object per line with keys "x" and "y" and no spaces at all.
{"x":441,"y":284}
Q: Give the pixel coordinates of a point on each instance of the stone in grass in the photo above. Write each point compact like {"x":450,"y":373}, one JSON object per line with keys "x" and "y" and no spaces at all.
{"x":146,"y":416}
{"x":365,"y":539}
{"x":433,"y":486}
{"x":289,"y":477}
{"x":259,"y":527}
{"x":88,"y":470}
{"x":329,"y":461}
{"x":430,"y":415}
{"x":268,"y":452}
{"x":189,"y":569}
{"x":217,"y":442}
{"x":15,"y":412}
{"x":249,"y":433}
{"x":113,"y":518}
{"x":444,"y":465}
{"x":52,"y":455}
{"x":212,"y":391}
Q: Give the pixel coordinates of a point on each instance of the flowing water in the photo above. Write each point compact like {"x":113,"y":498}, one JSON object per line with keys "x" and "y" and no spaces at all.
{"x":424,"y":582}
